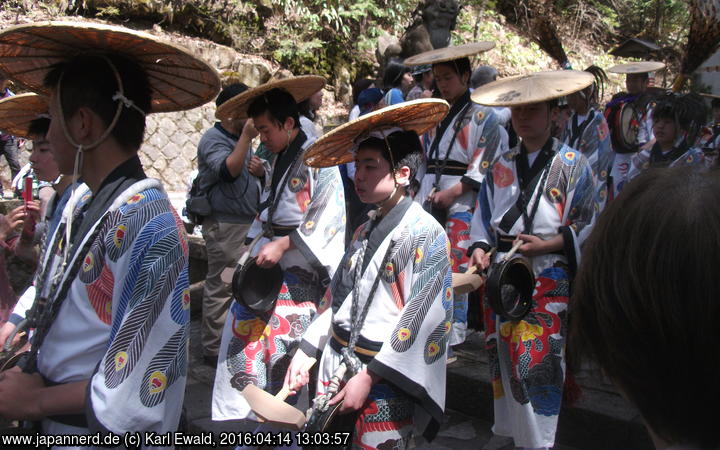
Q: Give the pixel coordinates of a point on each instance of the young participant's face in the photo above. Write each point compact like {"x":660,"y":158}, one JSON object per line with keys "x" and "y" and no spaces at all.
{"x":450,"y":84}
{"x":274,"y":135}
{"x":636,"y":83}
{"x":374,"y":181}
{"x":665,"y":131}
{"x":42,"y":160}
{"x":533,"y":121}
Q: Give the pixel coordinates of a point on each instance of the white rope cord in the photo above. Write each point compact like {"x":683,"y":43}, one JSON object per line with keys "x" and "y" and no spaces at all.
{"x":79,"y":155}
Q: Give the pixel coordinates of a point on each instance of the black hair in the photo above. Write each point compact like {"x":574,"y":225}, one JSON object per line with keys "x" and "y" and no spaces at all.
{"x":278,"y":103}
{"x":598,"y":87}
{"x":229,"y":92}
{"x":688,"y":111}
{"x":89,"y":81}
{"x":39,"y":127}
{"x":405,"y":146}
{"x":393,"y":74}
{"x":359,"y":86}
{"x":553,"y":103}
{"x":645,"y":301}
{"x":304,"y":110}
{"x":460,"y":66}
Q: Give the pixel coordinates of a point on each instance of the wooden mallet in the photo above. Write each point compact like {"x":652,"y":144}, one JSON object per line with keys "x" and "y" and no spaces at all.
{"x":272,"y":408}
{"x":469,"y":281}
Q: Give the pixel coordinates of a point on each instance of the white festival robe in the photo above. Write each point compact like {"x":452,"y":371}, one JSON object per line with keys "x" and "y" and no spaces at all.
{"x":409,"y":319}
{"x":253,"y":349}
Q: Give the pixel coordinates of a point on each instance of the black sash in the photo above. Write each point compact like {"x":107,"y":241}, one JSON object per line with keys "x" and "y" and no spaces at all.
{"x":658,"y":159}
{"x":528,"y":178}
{"x":461,"y":105}
{"x":576,"y":131}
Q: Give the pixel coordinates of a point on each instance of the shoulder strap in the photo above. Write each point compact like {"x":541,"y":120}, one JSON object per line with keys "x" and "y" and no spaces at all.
{"x":520,"y":206}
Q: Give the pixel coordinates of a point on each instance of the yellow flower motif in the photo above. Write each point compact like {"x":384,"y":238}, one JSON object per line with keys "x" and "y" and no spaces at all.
{"x":418,"y":255}
{"x":121,"y":359}
{"x":135,"y":198}
{"x":89,"y":262}
{"x":448,"y":326}
{"x":186,"y":299}
{"x":309,"y":224}
{"x":404,"y":334}
{"x":433,"y":349}
{"x":485,"y":164}
{"x":521,"y":331}
{"x":158,"y":382}
{"x":119,"y":235}
{"x":570,"y":155}
{"x":480,"y":116}
{"x":389,"y":269}
{"x":448,"y":294}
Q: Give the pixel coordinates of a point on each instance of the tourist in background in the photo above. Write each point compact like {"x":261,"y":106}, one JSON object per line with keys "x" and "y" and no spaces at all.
{"x":232,"y":195}
{"x":397,"y":80}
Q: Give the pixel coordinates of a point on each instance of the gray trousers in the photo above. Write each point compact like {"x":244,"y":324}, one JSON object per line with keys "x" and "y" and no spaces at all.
{"x":9,"y":149}
{"x":225,"y":243}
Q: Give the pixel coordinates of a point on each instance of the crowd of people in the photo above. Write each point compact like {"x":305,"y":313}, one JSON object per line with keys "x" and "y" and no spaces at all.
{"x":331,"y":256}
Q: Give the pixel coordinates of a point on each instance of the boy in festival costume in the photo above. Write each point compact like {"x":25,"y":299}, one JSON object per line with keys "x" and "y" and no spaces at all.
{"x":26,"y":116}
{"x":300,"y":228}
{"x":587,"y":131}
{"x":110,"y":348}
{"x":640,"y":121}
{"x":677,"y":119}
{"x":458,"y":156}
{"x":540,"y":194}
{"x":383,"y":337}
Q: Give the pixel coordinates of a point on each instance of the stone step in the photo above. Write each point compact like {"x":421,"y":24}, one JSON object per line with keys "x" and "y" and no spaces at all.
{"x":600,"y":419}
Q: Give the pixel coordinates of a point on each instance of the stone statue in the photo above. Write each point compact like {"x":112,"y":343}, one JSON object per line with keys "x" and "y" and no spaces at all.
{"x":434,"y":20}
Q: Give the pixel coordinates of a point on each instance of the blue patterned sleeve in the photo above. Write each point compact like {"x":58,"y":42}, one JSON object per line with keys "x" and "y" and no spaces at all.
{"x":139,"y":384}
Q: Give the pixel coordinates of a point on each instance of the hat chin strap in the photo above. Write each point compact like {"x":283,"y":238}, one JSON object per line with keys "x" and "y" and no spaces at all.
{"x":81,"y":148}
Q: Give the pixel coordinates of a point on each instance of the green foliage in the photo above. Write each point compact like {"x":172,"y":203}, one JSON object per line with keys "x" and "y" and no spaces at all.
{"x":333,"y":36}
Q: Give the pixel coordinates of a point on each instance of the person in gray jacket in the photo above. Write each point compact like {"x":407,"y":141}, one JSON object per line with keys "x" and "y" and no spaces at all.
{"x":227,"y":179}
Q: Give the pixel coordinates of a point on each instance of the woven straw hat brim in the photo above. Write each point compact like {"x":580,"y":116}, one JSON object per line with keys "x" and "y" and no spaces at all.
{"x":449,"y":53}
{"x":710,"y":95}
{"x":301,"y":88}
{"x":18,"y":111}
{"x":533,"y":88}
{"x":335,"y":147}
{"x":178,"y":80}
{"x":637,"y":67}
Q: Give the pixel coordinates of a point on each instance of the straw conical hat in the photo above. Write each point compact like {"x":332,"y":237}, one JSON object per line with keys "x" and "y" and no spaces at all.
{"x":18,"y":111}
{"x":178,"y":80}
{"x":449,"y":53}
{"x":710,"y":95}
{"x":336,"y":146}
{"x":301,"y":88}
{"x":637,"y":67}
{"x":533,"y":88}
